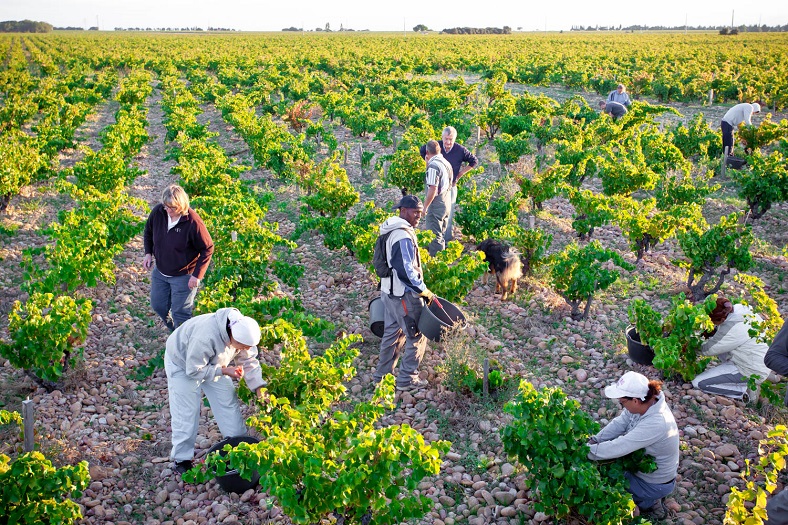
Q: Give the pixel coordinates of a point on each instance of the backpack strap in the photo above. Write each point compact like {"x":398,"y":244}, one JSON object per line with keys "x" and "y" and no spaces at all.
{"x":386,"y":254}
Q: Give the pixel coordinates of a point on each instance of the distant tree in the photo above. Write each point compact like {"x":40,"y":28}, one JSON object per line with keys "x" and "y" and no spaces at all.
{"x":94,"y":28}
{"x":328,"y":26}
{"x":421,"y":27}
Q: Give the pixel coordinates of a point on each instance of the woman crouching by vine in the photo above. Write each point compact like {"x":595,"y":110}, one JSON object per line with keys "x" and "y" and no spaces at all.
{"x":645,"y":423}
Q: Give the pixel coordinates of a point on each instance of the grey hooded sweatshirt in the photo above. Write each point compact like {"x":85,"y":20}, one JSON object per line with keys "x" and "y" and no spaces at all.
{"x":656,"y":431}
{"x":201,"y":348}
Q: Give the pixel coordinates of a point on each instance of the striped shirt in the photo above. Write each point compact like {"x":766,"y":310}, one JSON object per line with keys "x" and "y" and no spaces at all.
{"x":439,"y":173}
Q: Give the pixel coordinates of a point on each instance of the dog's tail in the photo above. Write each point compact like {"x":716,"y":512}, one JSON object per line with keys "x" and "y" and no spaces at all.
{"x":513,"y":268}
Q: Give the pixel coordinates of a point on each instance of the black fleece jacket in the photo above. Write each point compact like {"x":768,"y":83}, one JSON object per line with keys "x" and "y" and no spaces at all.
{"x":185,"y":249}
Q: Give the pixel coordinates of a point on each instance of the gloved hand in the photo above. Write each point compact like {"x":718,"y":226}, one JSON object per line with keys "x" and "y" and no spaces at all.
{"x":427,"y":295}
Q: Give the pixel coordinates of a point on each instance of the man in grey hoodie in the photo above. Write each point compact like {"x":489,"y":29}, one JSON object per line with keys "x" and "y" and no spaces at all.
{"x":197,"y":359}
{"x":403,"y":295}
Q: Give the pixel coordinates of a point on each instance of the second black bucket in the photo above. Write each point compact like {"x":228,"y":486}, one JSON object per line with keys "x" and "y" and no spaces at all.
{"x":440,"y":315}
{"x":232,"y":481}
{"x":735,"y":162}
{"x":376,"y":315}
{"x":638,"y":352}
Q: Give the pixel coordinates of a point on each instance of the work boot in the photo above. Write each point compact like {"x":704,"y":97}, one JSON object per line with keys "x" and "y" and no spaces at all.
{"x":657,"y":511}
{"x":416,"y":384}
{"x":183,"y":466}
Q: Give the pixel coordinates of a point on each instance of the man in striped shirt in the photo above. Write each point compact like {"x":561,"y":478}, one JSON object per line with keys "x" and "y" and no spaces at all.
{"x":436,"y":204}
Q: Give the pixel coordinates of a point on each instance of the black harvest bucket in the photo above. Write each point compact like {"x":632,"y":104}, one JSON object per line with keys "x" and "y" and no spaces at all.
{"x":440,"y":315}
{"x":735,"y":162}
{"x":638,"y":352}
{"x":232,"y":481}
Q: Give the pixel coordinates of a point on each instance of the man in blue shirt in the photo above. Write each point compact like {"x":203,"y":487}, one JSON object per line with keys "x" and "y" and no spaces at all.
{"x":619,"y":95}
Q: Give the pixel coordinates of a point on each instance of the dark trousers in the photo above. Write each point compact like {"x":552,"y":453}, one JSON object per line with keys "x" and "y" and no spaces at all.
{"x":727,"y":137}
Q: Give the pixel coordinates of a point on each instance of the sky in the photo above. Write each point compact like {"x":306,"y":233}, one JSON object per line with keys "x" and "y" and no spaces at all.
{"x":266,"y":15}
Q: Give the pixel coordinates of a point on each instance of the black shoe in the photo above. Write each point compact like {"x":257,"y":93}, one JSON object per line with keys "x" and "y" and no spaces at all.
{"x":657,"y":511}
{"x":183,"y":466}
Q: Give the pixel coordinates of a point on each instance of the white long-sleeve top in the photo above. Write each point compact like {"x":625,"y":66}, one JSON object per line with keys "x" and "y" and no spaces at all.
{"x":733,"y":336}
{"x":656,"y":431}
{"x":738,"y":114}
{"x":201,"y":348}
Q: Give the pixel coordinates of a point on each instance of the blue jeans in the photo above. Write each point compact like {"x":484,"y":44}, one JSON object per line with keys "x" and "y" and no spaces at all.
{"x":646,"y":494}
{"x":171,"y":298}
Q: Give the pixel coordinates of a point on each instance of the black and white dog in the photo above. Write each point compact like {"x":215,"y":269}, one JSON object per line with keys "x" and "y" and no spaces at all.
{"x":504,"y":264}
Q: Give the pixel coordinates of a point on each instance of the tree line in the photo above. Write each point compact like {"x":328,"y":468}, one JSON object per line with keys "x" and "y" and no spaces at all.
{"x":757,"y":28}
{"x":24,"y":26}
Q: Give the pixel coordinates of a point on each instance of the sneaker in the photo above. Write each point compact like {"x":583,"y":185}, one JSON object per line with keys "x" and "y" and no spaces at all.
{"x":657,"y":511}
{"x":183,"y":466}
{"x":416,"y":384}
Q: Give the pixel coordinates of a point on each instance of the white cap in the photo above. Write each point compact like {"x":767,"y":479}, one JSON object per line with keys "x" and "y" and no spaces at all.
{"x":245,"y":330}
{"x":631,"y":384}
{"x":756,"y":108}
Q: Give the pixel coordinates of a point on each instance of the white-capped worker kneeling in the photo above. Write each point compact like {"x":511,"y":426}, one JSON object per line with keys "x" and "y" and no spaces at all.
{"x":645,"y":423}
{"x":198,"y":359}
{"x":403,"y":295}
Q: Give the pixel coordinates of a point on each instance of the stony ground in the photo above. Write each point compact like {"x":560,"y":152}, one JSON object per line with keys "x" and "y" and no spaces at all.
{"x":104,"y":414}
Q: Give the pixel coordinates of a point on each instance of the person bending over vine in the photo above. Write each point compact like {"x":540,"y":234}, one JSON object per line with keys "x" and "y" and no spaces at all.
{"x":741,"y":354}
{"x":645,"y":423}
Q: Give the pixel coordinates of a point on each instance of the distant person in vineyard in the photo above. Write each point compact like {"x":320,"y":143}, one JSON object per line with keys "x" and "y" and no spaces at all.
{"x":619,"y":95}
{"x":614,"y":109}
{"x":645,"y":423}
{"x":438,"y":199}
{"x":197,"y":359}
{"x":457,"y":155}
{"x":404,"y":295}
{"x":737,"y":115}
{"x":741,"y":354}
{"x":177,"y":239}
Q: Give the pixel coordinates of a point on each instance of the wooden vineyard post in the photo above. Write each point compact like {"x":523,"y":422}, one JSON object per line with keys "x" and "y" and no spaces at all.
{"x":711,"y":97}
{"x":531,"y":222}
{"x":724,"y":160}
{"x":486,"y":380}
{"x":28,"y":422}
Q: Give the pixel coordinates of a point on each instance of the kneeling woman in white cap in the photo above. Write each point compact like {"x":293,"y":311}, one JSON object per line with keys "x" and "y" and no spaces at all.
{"x":645,"y":423}
{"x":197,"y":360}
